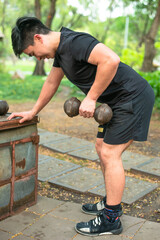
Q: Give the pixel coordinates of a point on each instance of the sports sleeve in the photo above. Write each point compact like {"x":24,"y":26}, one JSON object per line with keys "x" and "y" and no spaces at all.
{"x":82,"y":46}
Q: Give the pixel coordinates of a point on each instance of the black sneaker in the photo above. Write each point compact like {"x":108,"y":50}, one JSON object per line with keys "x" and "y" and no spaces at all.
{"x":96,"y":208}
{"x":99,"y":226}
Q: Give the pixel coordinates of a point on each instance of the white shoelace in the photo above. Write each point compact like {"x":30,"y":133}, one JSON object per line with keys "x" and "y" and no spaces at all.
{"x":97,"y":221}
{"x":100,"y":205}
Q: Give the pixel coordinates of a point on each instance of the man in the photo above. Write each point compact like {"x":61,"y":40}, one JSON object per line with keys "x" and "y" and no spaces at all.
{"x":98,"y":72}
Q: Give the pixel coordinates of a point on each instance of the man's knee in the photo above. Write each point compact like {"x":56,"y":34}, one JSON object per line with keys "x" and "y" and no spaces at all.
{"x":98,"y":145}
{"x":107,"y":153}
{"x":113,"y":152}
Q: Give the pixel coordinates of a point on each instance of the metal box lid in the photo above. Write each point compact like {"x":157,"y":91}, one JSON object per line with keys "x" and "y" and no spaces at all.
{"x":14,"y":122}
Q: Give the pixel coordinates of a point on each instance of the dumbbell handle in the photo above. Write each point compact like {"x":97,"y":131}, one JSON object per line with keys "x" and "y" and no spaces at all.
{"x":102,"y":114}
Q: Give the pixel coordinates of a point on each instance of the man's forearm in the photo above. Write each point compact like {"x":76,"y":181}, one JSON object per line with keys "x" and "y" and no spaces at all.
{"x":47,"y":92}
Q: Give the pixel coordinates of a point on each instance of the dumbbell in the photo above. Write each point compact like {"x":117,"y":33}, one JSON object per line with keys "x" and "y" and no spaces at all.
{"x":102,"y":114}
{"x":3,"y":107}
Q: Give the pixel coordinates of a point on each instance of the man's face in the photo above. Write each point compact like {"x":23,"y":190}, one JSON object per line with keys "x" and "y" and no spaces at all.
{"x":39,"y":49}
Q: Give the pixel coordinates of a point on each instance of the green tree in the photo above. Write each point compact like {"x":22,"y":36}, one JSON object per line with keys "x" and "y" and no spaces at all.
{"x":39,"y":68}
{"x":150,"y":50}
{"x":147,"y":24}
{"x":56,"y":14}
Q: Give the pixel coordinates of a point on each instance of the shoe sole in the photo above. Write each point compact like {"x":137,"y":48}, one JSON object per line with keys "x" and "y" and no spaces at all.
{"x":113,"y":232}
{"x":97,"y":212}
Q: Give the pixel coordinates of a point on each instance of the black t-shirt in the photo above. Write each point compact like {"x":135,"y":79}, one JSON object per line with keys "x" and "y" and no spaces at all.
{"x":72,"y":55}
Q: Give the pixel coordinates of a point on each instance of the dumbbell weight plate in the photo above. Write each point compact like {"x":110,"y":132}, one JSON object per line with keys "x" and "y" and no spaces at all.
{"x":3,"y":107}
{"x":71,"y":107}
{"x":103,"y":114}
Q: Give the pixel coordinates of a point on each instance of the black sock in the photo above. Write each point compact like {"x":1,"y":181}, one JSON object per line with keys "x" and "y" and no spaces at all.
{"x":113,"y":207}
{"x":111,"y":212}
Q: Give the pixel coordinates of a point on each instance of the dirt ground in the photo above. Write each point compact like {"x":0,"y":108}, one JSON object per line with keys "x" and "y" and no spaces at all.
{"x":53,"y":118}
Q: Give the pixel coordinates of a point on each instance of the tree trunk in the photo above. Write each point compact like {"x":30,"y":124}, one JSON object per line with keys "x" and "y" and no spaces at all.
{"x":51,"y":13}
{"x":38,"y":9}
{"x":39,"y":68}
{"x":150,"y":50}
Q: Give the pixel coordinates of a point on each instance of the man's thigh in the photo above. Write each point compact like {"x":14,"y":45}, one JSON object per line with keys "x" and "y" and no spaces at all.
{"x":117,"y":149}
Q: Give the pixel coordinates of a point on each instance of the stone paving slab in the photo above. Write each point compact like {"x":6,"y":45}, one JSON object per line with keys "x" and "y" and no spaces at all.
{"x":5,"y":235}
{"x":43,"y":158}
{"x":21,"y":237}
{"x":58,"y":223}
{"x":151,"y":167}
{"x":41,"y":130}
{"x":72,"y":212}
{"x":148,"y":231}
{"x":46,"y":137}
{"x":17,"y":223}
{"x":53,"y":167}
{"x":67,"y":145}
{"x":84,"y":149}
{"x":80,"y":180}
{"x":134,"y":189}
{"x":131,"y":159}
{"x":48,"y":227}
{"x":107,"y":237}
{"x":89,"y":153}
{"x":44,"y":205}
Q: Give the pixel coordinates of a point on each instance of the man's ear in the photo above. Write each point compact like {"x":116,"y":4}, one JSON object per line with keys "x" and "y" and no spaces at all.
{"x":38,"y":37}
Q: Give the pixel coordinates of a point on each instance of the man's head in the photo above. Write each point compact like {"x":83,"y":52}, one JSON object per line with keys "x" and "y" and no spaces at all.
{"x":25,"y":32}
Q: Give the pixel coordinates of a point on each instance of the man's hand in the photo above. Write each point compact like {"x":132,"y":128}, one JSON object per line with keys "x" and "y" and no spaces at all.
{"x":87,"y":107}
{"x":26,"y":116}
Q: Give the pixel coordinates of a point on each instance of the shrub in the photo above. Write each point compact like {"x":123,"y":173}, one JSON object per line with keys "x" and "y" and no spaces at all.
{"x":154,"y":80}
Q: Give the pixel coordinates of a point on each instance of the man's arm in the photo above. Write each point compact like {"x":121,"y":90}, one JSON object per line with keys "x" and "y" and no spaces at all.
{"x":107,"y":64}
{"x":48,"y":90}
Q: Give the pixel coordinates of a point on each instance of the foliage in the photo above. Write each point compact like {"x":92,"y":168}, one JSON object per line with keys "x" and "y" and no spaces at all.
{"x":154,"y":80}
{"x":75,"y":91}
{"x":69,"y":16}
{"x":132,"y":58}
{"x":147,"y":7}
{"x":85,"y":17}
{"x":18,"y":89}
{"x":144,"y":13}
{"x":2,"y":64}
{"x":29,"y":88}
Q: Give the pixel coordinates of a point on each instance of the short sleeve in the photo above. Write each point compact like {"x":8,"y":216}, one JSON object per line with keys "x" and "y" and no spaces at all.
{"x":56,"y":63}
{"x":82,"y":46}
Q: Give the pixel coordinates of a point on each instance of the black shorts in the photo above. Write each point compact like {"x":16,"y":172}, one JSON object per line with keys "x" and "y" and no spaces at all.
{"x":130,"y":120}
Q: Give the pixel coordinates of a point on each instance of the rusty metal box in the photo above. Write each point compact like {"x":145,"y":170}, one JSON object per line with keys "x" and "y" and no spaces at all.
{"x":18,"y":165}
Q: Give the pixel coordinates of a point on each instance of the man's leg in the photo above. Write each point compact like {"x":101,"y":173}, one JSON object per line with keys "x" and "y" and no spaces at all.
{"x":98,"y":145}
{"x":113,"y":171}
{"x":108,"y":221}
{"x":95,"y":208}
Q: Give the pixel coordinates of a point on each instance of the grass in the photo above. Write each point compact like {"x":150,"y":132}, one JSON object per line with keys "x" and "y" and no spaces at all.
{"x":24,"y":65}
{"x":29,"y":88}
